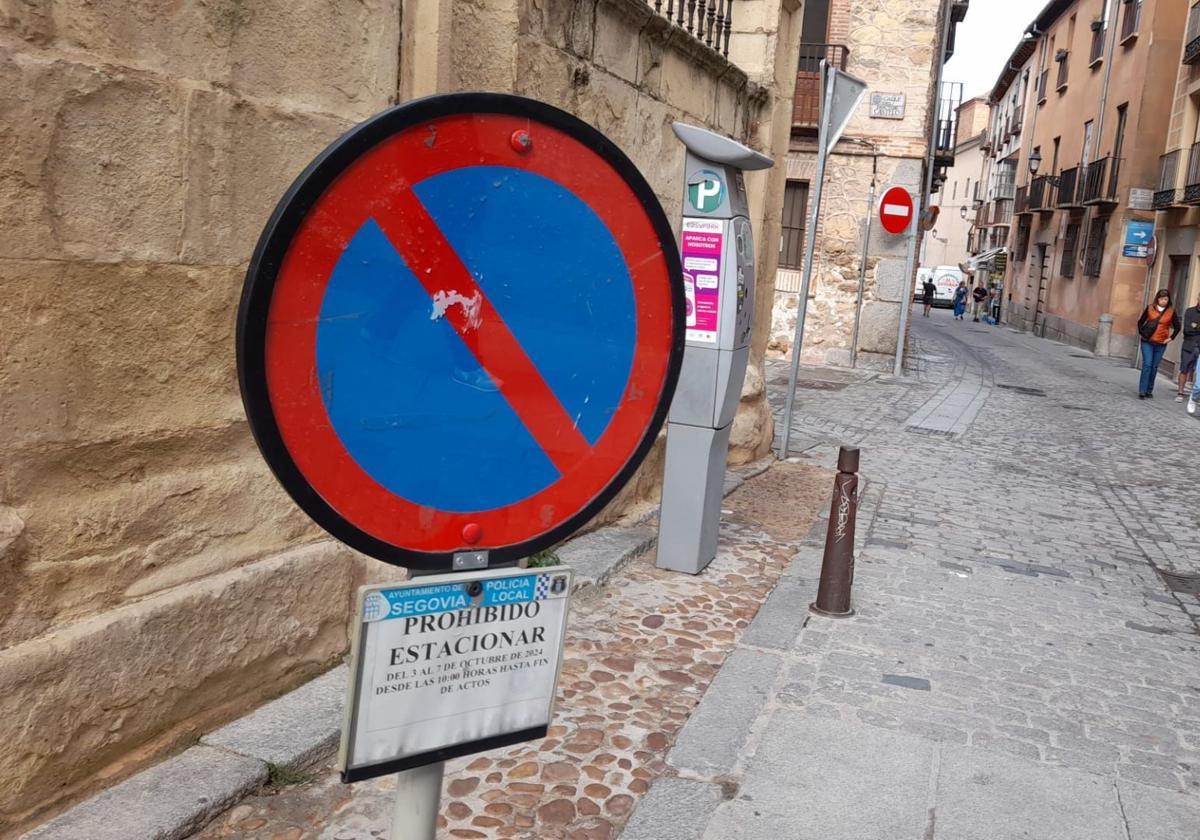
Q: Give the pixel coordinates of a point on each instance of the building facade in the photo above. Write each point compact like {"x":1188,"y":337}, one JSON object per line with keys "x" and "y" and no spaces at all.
{"x":1177,"y":193}
{"x":1093,"y":113}
{"x":897,"y":49}
{"x":949,"y":242}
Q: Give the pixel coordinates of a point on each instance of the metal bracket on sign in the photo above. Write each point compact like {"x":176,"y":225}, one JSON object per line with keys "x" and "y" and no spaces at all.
{"x":465,"y":561}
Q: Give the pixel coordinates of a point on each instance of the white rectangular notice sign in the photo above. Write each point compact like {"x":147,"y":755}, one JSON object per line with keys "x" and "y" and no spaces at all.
{"x":451,"y":665}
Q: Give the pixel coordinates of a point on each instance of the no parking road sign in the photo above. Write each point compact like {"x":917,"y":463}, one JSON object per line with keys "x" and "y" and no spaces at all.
{"x":461,"y":330}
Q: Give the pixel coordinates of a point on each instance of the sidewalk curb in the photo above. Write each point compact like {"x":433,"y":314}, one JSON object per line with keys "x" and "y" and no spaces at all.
{"x":178,"y":796}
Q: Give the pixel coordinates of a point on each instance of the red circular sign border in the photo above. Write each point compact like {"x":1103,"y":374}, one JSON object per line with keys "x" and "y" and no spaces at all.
{"x":364,"y":514}
{"x":884,"y":218}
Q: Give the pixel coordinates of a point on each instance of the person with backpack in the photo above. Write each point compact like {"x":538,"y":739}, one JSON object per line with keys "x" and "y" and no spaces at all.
{"x":960,"y":299}
{"x":1157,"y":326}
{"x":979,"y":295}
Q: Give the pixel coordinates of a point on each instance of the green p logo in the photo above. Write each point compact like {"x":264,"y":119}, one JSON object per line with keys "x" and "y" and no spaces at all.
{"x":706,"y":191}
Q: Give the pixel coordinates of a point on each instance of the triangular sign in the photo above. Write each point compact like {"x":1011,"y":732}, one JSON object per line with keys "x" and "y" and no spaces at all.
{"x":847,"y":93}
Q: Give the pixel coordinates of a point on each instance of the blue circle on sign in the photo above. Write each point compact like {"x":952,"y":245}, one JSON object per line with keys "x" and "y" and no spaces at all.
{"x":409,"y":400}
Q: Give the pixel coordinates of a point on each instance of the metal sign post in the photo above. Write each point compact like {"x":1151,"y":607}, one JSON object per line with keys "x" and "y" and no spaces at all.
{"x":717,"y":245}
{"x":862,"y":274}
{"x":458,"y":338}
{"x":842,"y":95}
{"x":906,"y":296}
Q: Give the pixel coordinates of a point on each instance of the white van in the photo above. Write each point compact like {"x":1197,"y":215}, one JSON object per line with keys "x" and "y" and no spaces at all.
{"x":945,"y":278}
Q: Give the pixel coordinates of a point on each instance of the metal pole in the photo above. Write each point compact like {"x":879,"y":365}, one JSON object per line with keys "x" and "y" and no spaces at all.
{"x":862,"y":273}
{"x":809,"y":248}
{"x":418,"y":800}
{"x":906,"y":296}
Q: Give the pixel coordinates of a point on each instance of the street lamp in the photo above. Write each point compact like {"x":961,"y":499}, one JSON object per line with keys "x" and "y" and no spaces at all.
{"x":1035,"y":163}
{"x":962,"y":212}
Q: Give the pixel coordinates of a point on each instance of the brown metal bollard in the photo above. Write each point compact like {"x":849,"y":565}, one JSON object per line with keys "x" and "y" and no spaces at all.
{"x":837,"y":565}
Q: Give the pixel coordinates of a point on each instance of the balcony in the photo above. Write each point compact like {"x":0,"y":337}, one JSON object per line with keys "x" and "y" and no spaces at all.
{"x":1041,"y":193}
{"x":711,"y":27}
{"x":1021,"y":202}
{"x":1191,"y":49}
{"x":806,"y":106}
{"x":1191,"y":184}
{"x":1017,"y":118}
{"x":945,"y":137}
{"x":1002,"y":212}
{"x":1132,"y":20}
{"x":1006,"y":189}
{"x":1097,"y":52}
{"x":1064,"y":66}
{"x":1069,"y":193}
{"x":1100,"y":182}
{"x":1167,"y":194}
{"x":981,"y":215}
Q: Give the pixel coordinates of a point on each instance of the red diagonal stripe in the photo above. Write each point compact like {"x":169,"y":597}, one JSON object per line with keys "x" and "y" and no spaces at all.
{"x":440,"y":271}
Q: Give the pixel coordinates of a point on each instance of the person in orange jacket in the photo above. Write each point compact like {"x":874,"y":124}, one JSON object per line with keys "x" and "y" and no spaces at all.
{"x":1157,"y":326}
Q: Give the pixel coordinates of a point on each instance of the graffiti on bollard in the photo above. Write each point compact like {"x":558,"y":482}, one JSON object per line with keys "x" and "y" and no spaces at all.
{"x":837,"y":564}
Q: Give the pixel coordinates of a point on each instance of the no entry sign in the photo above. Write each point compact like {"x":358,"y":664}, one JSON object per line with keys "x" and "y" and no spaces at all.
{"x":461,"y":330}
{"x":896,"y":210}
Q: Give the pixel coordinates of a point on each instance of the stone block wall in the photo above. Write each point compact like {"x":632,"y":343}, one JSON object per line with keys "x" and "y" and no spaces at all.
{"x":156,"y":580}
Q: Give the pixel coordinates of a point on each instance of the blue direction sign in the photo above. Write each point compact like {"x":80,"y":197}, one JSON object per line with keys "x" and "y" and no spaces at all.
{"x":461,"y":330}
{"x":1138,"y":235}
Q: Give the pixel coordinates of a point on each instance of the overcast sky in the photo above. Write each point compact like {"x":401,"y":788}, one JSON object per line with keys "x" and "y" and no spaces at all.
{"x":985,"y":40}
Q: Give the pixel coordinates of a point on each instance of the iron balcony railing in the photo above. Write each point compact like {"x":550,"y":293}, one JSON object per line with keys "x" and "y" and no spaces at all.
{"x":708,"y":21}
{"x":1069,"y":192}
{"x":1021,"y":201}
{"x":1098,"y":32}
{"x":1168,"y":180}
{"x":1064,"y":64}
{"x":1191,"y":184}
{"x":1005,"y":189}
{"x":1100,"y":181}
{"x":1017,"y":116}
{"x":806,"y":106}
{"x":945,"y":137}
{"x":1041,"y":193}
{"x":1002,"y":212}
{"x":1191,"y":49}
{"x":1132,"y":19}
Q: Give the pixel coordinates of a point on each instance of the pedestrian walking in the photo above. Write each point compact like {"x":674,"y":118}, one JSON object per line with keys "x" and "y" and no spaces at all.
{"x":960,"y":299}
{"x":1157,"y":326}
{"x":979,"y":295}
{"x":1188,"y":353}
{"x":929,"y":289}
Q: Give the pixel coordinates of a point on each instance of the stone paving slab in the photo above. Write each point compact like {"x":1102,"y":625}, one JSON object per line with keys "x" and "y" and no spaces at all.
{"x":711,"y":742}
{"x":813,"y":779}
{"x":294,"y":731}
{"x":984,"y":795}
{"x":674,"y":809}
{"x":1154,"y":814}
{"x":166,"y":802}
{"x":600,"y":554}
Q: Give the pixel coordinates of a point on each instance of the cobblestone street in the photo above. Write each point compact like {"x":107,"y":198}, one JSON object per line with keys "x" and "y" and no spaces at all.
{"x":1017,"y":667}
{"x":1023,"y":662}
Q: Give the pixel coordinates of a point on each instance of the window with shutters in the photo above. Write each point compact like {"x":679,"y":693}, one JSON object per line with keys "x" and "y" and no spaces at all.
{"x":1022,"y":244}
{"x":1093,"y":254}
{"x":791,"y":240}
{"x":1070,"y":243}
